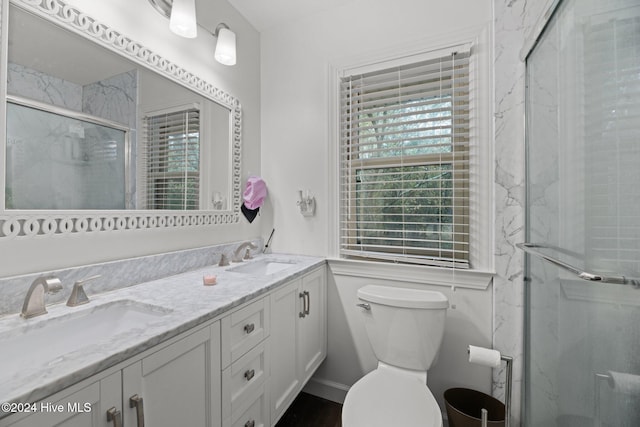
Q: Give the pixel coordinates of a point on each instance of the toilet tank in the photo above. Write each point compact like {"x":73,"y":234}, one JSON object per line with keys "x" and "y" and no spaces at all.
{"x":405,"y":326}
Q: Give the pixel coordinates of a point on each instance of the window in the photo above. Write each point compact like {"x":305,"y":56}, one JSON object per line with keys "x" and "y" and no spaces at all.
{"x":171,"y":160}
{"x":404,"y":162}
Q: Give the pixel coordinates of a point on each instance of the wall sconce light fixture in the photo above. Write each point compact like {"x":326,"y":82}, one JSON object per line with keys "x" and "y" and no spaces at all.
{"x":183,"y":18}
{"x":307,"y":203}
{"x":181,"y":14}
{"x":226,"y":45}
{"x":183,"y":22}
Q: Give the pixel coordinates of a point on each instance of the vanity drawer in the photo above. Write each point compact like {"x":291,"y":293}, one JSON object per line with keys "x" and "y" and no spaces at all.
{"x":242,"y":379}
{"x":255,"y":413}
{"x":243,"y":329}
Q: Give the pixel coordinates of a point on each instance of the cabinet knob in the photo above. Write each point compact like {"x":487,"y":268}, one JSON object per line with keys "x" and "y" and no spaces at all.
{"x":135,"y":401}
{"x":249,"y":328}
{"x":249,"y":374}
{"x":251,"y":423}
{"x":114,"y":416}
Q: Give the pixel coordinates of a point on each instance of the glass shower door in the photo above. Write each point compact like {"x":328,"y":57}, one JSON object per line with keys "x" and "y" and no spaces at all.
{"x":583,"y":216}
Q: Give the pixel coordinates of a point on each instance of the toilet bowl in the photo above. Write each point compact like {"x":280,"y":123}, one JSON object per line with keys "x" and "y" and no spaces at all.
{"x":405,"y":328}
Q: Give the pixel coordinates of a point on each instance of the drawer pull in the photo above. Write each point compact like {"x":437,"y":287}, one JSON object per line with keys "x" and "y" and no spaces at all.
{"x":307,"y":299}
{"x":249,"y":328}
{"x":135,"y":401}
{"x":249,"y":374}
{"x":115,"y":416}
{"x":303,"y":313}
{"x":251,"y":423}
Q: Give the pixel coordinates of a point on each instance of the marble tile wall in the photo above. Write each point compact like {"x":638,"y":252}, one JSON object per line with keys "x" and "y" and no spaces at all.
{"x":116,"y":99}
{"x":84,"y":165}
{"x":33,"y":84}
{"x":513,"y":20}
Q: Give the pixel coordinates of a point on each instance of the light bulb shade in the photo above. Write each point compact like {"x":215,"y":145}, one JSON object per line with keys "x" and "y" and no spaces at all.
{"x":183,"y":18}
{"x":226,"y":47}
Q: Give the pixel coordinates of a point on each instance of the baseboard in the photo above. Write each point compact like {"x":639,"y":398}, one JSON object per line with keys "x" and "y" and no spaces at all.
{"x":326,"y":389}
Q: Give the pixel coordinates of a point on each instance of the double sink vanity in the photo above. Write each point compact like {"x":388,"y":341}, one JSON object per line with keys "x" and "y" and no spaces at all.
{"x":171,"y":351}
{"x":153,"y":345}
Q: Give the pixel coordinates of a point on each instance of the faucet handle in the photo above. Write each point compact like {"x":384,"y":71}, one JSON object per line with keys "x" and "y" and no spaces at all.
{"x":223,"y":261}
{"x":78,"y":295}
{"x":54,"y":285}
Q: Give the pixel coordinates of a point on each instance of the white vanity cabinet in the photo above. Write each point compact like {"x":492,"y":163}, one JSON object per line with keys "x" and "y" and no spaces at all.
{"x":298,"y":337}
{"x":178,"y":385}
{"x":82,"y":405}
{"x":242,"y":369}
{"x":174,"y":384}
{"x":246,"y":365}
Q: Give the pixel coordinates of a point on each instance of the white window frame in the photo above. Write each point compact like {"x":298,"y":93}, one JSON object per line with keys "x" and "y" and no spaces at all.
{"x":481,"y":189}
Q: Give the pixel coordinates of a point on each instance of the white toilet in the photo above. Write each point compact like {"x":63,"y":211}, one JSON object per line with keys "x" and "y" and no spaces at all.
{"x":405,"y":328}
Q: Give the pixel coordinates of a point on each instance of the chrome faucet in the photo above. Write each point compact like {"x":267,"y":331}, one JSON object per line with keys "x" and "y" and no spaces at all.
{"x":237,"y":257}
{"x":34,"y":301}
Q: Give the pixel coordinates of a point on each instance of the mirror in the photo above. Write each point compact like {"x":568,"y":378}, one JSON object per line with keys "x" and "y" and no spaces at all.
{"x":96,"y":122}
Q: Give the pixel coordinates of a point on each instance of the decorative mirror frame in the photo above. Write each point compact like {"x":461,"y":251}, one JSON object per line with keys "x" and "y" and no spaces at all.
{"x":28,"y":224}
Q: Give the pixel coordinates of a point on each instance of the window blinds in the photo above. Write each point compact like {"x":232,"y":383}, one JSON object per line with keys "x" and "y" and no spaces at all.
{"x":404,"y":163}
{"x":611,"y":90}
{"x":171,"y":158}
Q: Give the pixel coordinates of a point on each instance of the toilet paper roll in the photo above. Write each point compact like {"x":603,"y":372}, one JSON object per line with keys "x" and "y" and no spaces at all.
{"x":624,"y":383}
{"x":484,"y":356}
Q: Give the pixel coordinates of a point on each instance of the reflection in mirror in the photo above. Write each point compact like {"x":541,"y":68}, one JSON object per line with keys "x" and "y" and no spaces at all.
{"x":88,"y":129}
{"x":55,"y":161}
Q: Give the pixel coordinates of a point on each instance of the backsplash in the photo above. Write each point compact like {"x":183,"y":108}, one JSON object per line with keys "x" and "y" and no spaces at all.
{"x":115,"y":274}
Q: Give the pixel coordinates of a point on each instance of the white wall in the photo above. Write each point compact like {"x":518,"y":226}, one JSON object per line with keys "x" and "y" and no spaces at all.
{"x":296,"y":62}
{"x":138,"y":20}
{"x":295,"y":107}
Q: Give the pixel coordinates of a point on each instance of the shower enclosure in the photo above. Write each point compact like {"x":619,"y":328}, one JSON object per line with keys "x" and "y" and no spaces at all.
{"x":582,"y":363}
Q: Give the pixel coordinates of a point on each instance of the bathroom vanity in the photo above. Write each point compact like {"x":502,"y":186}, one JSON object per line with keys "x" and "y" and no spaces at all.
{"x":172,"y":351}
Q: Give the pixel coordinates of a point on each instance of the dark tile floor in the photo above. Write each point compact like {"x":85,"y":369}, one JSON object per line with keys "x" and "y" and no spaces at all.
{"x":311,"y":411}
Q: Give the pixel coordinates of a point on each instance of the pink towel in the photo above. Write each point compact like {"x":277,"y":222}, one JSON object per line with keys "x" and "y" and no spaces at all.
{"x":255,"y":192}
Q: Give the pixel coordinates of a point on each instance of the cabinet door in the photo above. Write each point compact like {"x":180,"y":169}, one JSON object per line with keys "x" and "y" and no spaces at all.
{"x":285,"y":381}
{"x":313,"y":326}
{"x":86,"y":407}
{"x":179,"y":385}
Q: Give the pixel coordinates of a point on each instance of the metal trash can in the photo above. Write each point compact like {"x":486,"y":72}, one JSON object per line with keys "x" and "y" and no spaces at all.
{"x":464,"y":408}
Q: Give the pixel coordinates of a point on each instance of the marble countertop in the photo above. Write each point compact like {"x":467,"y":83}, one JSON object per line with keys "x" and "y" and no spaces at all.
{"x":182,"y":300}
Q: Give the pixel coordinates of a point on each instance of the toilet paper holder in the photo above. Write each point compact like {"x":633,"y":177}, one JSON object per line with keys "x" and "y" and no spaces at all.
{"x":492,"y":359}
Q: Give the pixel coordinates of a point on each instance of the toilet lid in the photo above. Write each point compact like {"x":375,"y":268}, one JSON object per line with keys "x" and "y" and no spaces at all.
{"x":383,"y":399}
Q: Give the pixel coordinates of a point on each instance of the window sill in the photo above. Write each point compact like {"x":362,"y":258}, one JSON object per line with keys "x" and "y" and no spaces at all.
{"x":472,"y":279}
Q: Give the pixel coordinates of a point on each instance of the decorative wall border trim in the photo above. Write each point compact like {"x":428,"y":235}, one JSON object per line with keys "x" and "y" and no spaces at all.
{"x":50,"y":225}
{"x":25,"y":224}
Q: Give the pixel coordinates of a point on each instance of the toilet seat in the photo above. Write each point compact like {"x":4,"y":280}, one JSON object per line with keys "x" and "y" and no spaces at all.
{"x":383,"y":398}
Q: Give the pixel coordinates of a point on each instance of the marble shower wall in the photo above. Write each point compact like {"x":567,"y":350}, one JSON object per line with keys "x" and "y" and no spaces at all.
{"x":116,"y":98}
{"x":33,"y":84}
{"x":513,"y":20}
{"x":82,"y":165}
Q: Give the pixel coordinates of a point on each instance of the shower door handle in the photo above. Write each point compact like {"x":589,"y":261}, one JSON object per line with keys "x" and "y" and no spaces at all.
{"x":534,"y":249}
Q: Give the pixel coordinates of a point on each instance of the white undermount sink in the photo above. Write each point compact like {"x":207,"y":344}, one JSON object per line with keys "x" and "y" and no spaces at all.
{"x":262,"y":267}
{"x":47,"y":341}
